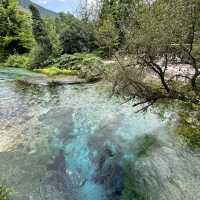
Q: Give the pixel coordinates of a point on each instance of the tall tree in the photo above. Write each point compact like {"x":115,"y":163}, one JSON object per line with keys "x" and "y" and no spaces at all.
{"x":41,"y":36}
{"x":15,"y":30}
{"x":160,"y":36}
{"x":116,"y":14}
{"x":51,"y":25}
{"x":75,"y":35}
{"x":108,"y":35}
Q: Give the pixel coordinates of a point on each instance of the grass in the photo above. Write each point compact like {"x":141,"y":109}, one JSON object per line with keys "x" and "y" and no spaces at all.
{"x":53,"y":71}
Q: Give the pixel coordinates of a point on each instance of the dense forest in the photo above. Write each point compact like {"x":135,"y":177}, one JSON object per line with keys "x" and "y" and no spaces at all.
{"x":148,"y":50}
{"x":43,"y":11}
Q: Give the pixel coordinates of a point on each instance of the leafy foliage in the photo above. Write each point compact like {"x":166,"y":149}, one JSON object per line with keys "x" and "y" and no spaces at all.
{"x":76,"y":37}
{"x":92,"y":68}
{"x":44,"y":48}
{"x":107,"y":35}
{"x":156,"y":37}
{"x":17,"y":61}
{"x":15,"y":30}
{"x":85,"y":65}
{"x":73,"y":61}
{"x":51,"y":27}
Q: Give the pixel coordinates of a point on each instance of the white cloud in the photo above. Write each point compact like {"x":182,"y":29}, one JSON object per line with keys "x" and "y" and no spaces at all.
{"x":44,"y":2}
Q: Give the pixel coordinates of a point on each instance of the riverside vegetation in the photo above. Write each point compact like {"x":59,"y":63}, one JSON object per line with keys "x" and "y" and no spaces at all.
{"x":154,"y":48}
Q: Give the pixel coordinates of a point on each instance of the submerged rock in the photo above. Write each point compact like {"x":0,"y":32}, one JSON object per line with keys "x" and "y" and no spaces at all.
{"x":58,"y":182}
{"x":110,"y":174}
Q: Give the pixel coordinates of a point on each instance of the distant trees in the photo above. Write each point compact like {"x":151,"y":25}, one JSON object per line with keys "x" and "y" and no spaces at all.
{"x":77,"y":36}
{"x":15,"y":30}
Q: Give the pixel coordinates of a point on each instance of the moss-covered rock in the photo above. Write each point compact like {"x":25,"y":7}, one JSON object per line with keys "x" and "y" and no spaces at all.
{"x":188,"y":125}
{"x":4,"y":193}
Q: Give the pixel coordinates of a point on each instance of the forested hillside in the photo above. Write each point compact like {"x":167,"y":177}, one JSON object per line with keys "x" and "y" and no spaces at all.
{"x":44,"y":12}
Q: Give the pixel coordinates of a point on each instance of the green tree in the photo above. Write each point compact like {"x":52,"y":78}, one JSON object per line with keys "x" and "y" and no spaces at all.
{"x":51,"y":27}
{"x":158,"y":37}
{"x":44,"y":49}
{"x":64,"y":20}
{"x":120,"y":12}
{"x":107,"y":35}
{"x":15,"y":30}
{"x":77,"y":37}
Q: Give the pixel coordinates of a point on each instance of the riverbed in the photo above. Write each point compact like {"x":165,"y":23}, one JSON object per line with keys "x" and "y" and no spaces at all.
{"x":75,"y":142}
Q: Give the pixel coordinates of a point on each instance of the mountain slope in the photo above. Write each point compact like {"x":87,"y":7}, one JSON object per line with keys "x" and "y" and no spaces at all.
{"x":43,"y":11}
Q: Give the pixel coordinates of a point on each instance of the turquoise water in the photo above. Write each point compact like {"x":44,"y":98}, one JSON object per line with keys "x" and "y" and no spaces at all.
{"x":73,"y":142}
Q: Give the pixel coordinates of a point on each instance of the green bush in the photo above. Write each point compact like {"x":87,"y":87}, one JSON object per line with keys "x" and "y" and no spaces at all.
{"x":17,"y":61}
{"x":86,"y":65}
{"x":38,"y":57}
{"x":71,"y":61}
{"x":100,"y":52}
{"x":74,"y":61}
{"x":92,"y":68}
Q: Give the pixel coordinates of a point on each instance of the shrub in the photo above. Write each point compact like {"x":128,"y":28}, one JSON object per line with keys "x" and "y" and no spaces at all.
{"x":38,"y":57}
{"x":100,"y":52}
{"x":92,"y":68}
{"x":17,"y":61}
{"x":86,"y":65}
{"x":73,"y":61}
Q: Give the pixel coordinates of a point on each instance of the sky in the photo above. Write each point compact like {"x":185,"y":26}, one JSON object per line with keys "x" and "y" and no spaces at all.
{"x":61,"y":5}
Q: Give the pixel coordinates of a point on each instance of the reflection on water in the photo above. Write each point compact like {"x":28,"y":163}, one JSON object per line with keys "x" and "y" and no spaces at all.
{"x":75,"y":143}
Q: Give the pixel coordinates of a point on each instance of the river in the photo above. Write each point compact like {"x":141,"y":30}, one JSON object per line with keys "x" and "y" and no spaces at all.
{"x":75,"y":142}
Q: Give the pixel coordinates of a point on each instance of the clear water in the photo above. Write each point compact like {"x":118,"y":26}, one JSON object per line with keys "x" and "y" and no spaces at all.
{"x":74,"y":142}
